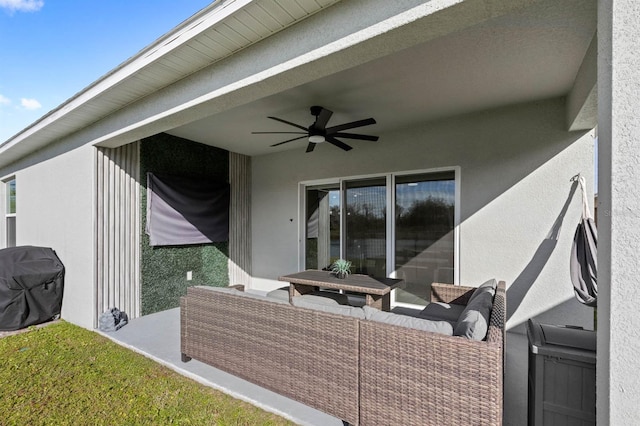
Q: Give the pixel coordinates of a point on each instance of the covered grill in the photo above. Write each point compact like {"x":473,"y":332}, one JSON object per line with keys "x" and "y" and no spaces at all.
{"x":31,"y":286}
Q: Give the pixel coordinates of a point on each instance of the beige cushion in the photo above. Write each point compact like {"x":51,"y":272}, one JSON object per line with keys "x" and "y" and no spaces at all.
{"x":442,"y":327}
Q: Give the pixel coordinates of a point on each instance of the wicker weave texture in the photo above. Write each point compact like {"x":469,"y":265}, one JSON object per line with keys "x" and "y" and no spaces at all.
{"x":409,"y":377}
{"x":309,"y":356}
{"x":363,"y":372}
{"x":449,"y":293}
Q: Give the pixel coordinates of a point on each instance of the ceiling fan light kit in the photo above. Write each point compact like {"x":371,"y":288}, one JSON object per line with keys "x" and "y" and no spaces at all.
{"x":318,"y":131}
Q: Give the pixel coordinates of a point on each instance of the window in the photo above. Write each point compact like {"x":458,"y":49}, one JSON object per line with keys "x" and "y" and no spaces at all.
{"x":10,"y":213}
{"x":400,"y":225}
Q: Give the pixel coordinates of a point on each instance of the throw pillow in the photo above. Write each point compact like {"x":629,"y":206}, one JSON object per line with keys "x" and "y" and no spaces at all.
{"x":439,"y":311}
{"x":486,"y":287}
{"x":474,"y":320}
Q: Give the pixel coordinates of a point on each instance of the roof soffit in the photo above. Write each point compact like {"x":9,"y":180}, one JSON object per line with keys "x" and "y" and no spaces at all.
{"x":333,"y":41}
{"x":216,"y":32}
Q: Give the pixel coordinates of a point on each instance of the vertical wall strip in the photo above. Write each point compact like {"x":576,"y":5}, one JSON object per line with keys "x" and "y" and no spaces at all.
{"x":240,"y":219}
{"x":118,"y":229}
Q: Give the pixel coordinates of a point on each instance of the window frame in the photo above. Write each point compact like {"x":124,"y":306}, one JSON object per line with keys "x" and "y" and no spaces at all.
{"x":390,"y":178}
{"x":7,"y":213}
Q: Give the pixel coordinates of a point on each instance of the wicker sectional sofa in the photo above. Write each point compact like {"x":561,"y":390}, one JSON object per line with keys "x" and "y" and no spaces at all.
{"x":361,"y":371}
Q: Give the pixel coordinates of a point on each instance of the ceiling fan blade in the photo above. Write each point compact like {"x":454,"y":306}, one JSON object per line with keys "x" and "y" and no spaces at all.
{"x":352,"y":125}
{"x":311,"y":146}
{"x":279,"y":133}
{"x":323,"y":118}
{"x":356,"y":136}
{"x":289,"y":123}
{"x":339,"y":144}
{"x":289,"y":140}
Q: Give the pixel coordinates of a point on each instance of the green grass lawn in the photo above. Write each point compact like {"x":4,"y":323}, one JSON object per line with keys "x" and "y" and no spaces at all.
{"x":62,"y":374}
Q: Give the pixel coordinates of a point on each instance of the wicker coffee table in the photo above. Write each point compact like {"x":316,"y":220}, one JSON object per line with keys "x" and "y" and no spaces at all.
{"x":376,"y":290}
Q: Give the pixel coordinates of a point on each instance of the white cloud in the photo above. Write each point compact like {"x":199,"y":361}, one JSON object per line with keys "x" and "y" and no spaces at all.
{"x":22,"y":5}
{"x":30,"y":104}
{"x":4,"y":100}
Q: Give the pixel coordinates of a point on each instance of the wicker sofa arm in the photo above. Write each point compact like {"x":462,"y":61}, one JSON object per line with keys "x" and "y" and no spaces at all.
{"x":450,"y":293}
{"x":410,"y":377}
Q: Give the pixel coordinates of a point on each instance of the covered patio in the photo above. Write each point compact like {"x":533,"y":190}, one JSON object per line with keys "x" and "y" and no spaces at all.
{"x":157,"y":336}
{"x":500,"y":98}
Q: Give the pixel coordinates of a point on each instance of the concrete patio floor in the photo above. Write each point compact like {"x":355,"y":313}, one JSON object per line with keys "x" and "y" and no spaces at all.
{"x":157,"y":336}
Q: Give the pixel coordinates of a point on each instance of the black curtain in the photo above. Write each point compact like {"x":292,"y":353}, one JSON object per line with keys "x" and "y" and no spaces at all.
{"x":182,"y":210}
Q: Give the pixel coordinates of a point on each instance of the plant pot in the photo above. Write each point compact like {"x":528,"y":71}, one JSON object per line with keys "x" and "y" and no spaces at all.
{"x":341,"y":275}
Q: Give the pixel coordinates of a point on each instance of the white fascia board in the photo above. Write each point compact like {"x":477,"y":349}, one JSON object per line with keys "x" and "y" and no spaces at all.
{"x":182,"y":34}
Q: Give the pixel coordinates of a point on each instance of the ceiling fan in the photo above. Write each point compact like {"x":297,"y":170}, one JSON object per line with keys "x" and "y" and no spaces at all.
{"x":318,"y":131}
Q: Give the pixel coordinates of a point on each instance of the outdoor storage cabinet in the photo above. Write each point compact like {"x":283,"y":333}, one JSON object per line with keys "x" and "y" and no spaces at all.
{"x":562,"y":375}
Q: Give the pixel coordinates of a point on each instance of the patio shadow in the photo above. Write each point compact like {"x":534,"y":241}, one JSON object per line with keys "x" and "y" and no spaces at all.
{"x":521,"y":285}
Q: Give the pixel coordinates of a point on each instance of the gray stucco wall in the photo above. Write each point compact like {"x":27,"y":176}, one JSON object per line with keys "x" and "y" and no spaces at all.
{"x":55,"y":209}
{"x":618,"y":395}
{"x":518,"y":211}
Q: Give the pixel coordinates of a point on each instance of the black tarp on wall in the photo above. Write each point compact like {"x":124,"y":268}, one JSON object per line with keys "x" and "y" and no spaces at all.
{"x":31,"y":286}
{"x":183,"y":210}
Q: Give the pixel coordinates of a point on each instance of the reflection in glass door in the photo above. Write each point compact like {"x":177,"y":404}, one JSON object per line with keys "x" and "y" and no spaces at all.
{"x":322,"y":246}
{"x":424,"y":233}
{"x":365,"y":226}
{"x":399,"y":225}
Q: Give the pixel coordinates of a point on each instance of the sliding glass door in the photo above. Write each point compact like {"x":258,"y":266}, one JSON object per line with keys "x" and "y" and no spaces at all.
{"x":322,"y":246}
{"x":424,"y":233}
{"x":365,"y":219}
{"x":396,"y":225}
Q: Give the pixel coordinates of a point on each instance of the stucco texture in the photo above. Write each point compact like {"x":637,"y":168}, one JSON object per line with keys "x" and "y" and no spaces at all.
{"x":55,"y":209}
{"x":619,"y":203}
{"x":163,"y":270}
{"x":518,"y":208}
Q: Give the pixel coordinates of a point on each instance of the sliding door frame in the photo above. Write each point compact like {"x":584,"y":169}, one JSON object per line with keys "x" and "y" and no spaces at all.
{"x":390,"y":179}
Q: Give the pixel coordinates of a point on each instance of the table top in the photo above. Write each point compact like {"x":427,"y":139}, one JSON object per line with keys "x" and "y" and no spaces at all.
{"x":354,"y":282}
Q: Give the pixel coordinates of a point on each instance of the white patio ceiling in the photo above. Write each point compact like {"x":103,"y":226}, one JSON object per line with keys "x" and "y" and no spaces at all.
{"x":530,"y":55}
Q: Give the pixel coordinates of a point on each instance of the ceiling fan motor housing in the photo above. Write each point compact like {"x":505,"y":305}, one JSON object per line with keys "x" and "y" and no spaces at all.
{"x":316,"y":110}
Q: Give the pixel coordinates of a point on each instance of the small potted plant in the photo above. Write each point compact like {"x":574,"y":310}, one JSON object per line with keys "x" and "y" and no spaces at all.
{"x":341,"y":268}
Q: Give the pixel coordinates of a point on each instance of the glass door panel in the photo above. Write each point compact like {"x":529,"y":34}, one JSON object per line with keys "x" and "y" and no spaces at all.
{"x":365,"y":217}
{"x":322,"y":246}
{"x":424,"y":233}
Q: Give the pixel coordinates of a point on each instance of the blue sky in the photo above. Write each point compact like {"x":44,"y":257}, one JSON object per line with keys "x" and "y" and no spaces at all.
{"x":52,"y":49}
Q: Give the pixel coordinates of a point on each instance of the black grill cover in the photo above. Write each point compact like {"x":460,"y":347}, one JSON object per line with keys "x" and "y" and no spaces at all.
{"x":31,"y":286}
